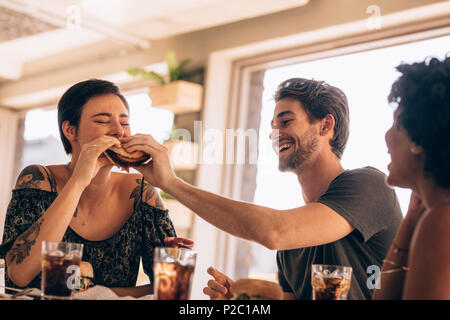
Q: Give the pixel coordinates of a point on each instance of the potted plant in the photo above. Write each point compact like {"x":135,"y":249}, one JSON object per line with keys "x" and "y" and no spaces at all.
{"x":172,"y":92}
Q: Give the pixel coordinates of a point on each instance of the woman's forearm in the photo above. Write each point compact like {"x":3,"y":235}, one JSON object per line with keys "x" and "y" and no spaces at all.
{"x":135,"y":292}
{"x":24,"y":257}
{"x":392,"y":277}
{"x":393,"y":271}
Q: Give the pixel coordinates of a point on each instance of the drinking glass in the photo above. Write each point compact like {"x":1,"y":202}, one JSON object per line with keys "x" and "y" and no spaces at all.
{"x":60,"y":268}
{"x":330,"y":282}
{"x":173,"y":269}
{"x":2,"y":276}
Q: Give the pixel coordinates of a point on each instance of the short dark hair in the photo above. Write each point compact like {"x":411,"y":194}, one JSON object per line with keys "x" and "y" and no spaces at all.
{"x":72,"y":101}
{"x":423,"y":95}
{"x":318,"y":98}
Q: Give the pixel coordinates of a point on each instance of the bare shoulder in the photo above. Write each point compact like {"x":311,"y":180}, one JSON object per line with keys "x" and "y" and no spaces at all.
{"x":430,"y":250}
{"x":140,"y":190}
{"x":431,"y":234}
{"x":435,"y":225}
{"x":127,"y":180}
{"x":33,"y":177}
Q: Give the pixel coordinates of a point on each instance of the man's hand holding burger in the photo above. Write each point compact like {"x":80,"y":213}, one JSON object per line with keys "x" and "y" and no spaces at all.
{"x":159,"y":171}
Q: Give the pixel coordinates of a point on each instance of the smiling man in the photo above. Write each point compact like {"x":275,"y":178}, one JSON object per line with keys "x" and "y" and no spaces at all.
{"x":350,"y":217}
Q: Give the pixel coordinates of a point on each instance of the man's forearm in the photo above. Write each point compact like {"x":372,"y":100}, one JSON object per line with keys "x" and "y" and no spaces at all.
{"x":239,"y":218}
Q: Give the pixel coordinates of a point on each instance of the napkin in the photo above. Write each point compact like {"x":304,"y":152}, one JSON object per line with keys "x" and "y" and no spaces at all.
{"x":104,"y":293}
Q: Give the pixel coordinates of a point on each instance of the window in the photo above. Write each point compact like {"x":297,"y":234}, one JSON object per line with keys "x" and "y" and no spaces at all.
{"x":366,"y":78}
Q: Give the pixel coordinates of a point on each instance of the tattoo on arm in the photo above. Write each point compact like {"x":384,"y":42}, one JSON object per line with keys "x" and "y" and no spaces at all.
{"x":147,"y":192}
{"x":158,"y":202}
{"x":30,"y":177}
{"x":22,"y":246}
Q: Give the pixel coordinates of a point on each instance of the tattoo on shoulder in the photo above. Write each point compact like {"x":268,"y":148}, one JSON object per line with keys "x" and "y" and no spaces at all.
{"x":22,"y":246}
{"x":158,"y":202}
{"x":144,"y":192}
{"x":30,"y":177}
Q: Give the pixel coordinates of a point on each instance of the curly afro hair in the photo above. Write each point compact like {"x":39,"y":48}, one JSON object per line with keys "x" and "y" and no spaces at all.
{"x":423,"y":95}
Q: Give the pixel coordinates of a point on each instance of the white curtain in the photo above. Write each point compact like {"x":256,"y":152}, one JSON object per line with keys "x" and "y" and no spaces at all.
{"x":9,"y":121}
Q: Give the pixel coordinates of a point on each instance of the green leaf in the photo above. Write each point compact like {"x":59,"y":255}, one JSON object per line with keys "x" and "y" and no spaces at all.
{"x":151,"y":75}
{"x":182,"y":65}
{"x":175,"y":70}
{"x":177,"y":73}
{"x":174,"y":76}
{"x":135,"y":71}
{"x":171,"y":60}
{"x":146,"y":75}
{"x":172,"y":135}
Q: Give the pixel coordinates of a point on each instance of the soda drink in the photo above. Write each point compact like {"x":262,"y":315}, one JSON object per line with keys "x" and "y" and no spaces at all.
{"x":173,"y":269}
{"x":172,"y":280}
{"x":330,"y":288}
{"x":330,"y":282}
{"x":58,"y":275}
{"x":60,"y":262}
{"x":2,"y":276}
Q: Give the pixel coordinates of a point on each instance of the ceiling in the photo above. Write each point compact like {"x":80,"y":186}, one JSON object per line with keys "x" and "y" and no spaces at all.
{"x":31,"y":31}
{"x":47,"y":45}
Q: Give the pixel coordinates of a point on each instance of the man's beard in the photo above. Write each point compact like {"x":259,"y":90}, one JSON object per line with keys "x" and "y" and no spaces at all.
{"x":306,"y":146}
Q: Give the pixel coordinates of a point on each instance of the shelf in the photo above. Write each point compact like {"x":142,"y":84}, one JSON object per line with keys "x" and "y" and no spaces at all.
{"x":179,"y":96}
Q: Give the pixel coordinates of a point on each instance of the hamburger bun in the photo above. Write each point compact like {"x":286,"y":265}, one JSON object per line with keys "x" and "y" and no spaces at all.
{"x":86,"y":270}
{"x":124,"y":160}
{"x":86,"y":276}
{"x":255,"y":289}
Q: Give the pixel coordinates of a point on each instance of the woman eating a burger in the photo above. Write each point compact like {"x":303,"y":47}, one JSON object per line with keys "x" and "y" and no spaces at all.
{"x":119,"y":217}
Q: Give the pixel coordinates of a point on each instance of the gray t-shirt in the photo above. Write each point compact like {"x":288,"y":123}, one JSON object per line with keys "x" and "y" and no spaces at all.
{"x":368,"y":204}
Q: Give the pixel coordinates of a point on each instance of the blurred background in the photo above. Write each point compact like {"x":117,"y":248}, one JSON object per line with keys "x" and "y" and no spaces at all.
{"x":198,"y":68}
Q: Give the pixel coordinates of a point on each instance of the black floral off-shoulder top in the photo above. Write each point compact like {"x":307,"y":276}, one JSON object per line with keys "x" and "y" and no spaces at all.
{"x":115,"y":260}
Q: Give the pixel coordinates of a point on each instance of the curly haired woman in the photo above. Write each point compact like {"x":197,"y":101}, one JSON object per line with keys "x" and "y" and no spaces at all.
{"x":418,"y":263}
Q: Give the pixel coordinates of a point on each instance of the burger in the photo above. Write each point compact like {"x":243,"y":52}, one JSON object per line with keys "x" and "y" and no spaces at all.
{"x":255,"y":289}
{"x":124,"y":160}
{"x":86,"y":276}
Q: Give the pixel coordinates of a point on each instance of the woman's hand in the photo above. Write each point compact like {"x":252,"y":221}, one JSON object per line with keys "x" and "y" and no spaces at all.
{"x":159,"y":171}
{"x":88,"y":162}
{"x":174,"y":242}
